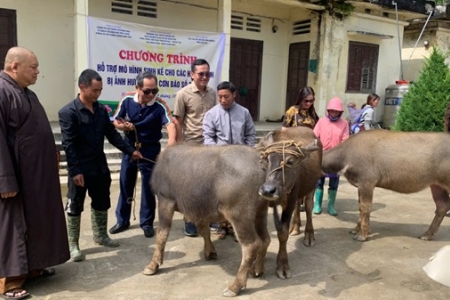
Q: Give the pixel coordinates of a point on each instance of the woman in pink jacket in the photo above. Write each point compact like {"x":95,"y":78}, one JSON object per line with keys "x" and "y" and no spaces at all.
{"x":331,"y":130}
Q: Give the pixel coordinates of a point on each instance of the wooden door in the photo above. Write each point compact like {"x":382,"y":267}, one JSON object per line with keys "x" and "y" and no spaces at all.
{"x":245,"y":72}
{"x":8,"y":33}
{"x":297,"y":71}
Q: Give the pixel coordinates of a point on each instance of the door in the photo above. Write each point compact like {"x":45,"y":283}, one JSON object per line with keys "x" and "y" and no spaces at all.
{"x":297,"y":71}
{"x":8,"y":33}
{"x":245,"y":72}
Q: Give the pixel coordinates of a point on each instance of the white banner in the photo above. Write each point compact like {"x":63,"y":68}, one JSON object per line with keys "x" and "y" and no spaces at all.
{"x":120,"y":50}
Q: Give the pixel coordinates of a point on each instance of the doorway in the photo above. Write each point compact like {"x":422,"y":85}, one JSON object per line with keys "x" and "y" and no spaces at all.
{"x":297,"y":71}
{"x":8,"y":33}
{"x":245,"y":72}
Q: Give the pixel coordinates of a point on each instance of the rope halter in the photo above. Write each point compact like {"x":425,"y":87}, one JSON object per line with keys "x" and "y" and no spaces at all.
{"x":287,"y":147}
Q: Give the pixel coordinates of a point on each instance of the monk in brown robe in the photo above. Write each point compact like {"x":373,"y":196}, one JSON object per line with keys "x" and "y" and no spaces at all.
{"x":33,"y":232}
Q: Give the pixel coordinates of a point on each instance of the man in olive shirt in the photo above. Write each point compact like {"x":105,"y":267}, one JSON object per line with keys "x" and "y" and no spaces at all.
{"x":191,"y":104}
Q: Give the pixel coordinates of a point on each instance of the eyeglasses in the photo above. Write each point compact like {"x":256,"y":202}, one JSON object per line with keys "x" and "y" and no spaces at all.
{"x":152,"y":91}
{"x":204,"y":74}
{"x":309,"y":101}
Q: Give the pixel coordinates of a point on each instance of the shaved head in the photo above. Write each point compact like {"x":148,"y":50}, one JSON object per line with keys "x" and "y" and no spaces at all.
{"x":22,"y":65}
{"x":16,"y":54}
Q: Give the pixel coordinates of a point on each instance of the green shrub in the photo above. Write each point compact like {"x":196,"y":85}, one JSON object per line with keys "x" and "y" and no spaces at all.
{"x":424,"y":105}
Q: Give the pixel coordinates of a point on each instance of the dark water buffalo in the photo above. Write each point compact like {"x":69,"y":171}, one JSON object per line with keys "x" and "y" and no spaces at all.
{"x":292,"y":173}
{"x":213,"y":184}
{"x":404,"y":162}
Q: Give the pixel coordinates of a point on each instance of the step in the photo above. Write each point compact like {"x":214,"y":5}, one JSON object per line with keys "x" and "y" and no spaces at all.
{"x":114,"y":155}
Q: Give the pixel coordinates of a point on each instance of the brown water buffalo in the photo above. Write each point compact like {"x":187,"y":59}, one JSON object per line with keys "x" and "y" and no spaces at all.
{"x":404,"y":162}
{"x":292,"y":174}
{"x":213,"y":184}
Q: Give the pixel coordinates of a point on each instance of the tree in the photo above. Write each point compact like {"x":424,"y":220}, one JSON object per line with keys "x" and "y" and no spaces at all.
{"x":425,"y":103}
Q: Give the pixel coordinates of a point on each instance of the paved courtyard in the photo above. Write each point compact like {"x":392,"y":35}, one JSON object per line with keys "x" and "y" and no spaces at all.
{"x":388,"y":266}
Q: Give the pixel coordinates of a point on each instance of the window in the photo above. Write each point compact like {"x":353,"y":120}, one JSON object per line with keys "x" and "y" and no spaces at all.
{"x":301,"y":27}
{"x":8,"y":33}
{"x":143,"y":8}
{"x":245,"y":23}
{"x":362,"y":67}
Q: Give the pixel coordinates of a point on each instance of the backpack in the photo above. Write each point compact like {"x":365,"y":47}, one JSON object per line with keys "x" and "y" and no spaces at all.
{"x":355,"y":119}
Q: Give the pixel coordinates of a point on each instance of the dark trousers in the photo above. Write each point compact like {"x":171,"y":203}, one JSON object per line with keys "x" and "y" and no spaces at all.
{"x":97,"y":187}
{"x":128,"y":177}
{"x":332,"y":184}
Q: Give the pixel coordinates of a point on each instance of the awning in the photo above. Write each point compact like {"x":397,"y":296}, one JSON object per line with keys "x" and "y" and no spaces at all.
{"x":368,"y":33}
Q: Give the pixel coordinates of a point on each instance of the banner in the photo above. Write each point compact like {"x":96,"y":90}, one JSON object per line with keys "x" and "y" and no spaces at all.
{"x":119,"y":51}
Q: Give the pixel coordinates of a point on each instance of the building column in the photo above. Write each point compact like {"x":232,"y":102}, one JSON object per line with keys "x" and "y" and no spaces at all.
{"x":224,"y":25}
{"x":332,"y":35}
{"x":81,"y":38}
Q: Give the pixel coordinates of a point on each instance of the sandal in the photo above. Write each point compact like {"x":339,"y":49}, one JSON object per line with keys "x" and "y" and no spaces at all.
{"x":221,"y":233}
{"x":47,"y":272}
{"x":15,"y":294}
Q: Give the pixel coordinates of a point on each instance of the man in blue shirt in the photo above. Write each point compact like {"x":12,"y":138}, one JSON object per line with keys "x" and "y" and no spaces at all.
{"x":141,"y":115}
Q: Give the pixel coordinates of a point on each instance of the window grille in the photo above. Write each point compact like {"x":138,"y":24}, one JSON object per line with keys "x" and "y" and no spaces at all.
{"x":301,"y":27}
{"x":362,"y":67}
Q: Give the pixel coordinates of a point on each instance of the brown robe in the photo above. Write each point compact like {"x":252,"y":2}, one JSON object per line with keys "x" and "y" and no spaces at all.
{"x":33,"y":232}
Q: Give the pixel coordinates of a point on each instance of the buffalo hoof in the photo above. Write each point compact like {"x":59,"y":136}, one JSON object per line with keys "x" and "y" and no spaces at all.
{"x":353,"y":231}
{"x":228,"y":293}
{"x":359,"y":238}
{"x":253,"y":273}
{"x":147,"y":271}
{"x":294,"y":231}
{"x":284,"y":274}
{"x":425,"y":237}
{"x":212,"y":255}
{"x":309,"y":243}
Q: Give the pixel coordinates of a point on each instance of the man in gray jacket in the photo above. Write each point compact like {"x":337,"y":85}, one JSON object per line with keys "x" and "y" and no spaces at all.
{"x":228,"y":122}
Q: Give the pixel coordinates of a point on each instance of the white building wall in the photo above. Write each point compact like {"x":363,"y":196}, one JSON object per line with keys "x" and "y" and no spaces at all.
{"x":275,"y":54}
{"x":333,"y":78}
{"x":46,"y":28}
{"x":414,"y":60}
{"x":60,"y":44}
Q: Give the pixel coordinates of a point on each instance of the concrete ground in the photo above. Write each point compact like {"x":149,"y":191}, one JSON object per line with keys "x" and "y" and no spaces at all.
{"x":388,"y":266}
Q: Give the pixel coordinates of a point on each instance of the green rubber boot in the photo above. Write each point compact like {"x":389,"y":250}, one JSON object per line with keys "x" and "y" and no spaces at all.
{"x":318,"y":203}
{"x":99,"y":221}
{"x":73,"y":232}
{"x":331,"y":200}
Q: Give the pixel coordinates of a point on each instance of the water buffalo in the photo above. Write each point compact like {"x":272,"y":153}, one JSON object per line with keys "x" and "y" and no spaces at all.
{"x":213,"y":184}
{"x":404,"y":162}
{"x":292,"y":173}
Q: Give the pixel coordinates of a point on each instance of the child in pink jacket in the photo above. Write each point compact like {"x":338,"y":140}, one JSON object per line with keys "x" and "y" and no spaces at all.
{"x":331,"y":130}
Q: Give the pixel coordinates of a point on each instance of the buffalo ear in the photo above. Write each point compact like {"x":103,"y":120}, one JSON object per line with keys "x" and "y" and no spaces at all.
{"x":267,"y":140}
{"x":313,"y":146}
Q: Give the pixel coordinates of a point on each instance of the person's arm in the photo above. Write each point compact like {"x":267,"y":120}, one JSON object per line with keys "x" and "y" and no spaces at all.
{"x":289,"y":117}
{"x":172,"y":133}
{"x":115,"y":138}
{"x":69,"y":133}
{"x":9,"y":186}
{"x":121,"y":111}
{"x":178,"y":128}
{"x":209,"y":130}
{"x":317,"y":128}
{"x":367,"y":117}
{"x":179,"y":112}
{"x":346,"y":132}
{"x":250,"y":132}
{"x":168,"y":121}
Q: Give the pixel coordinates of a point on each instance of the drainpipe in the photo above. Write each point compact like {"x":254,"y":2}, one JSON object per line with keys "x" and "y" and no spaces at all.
{"x":398,"y":38}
